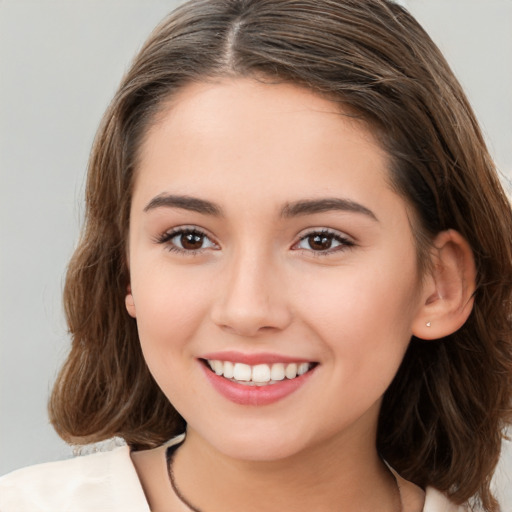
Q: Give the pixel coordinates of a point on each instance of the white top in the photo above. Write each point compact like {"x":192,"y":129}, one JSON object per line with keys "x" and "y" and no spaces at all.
{"x":105,"y":481}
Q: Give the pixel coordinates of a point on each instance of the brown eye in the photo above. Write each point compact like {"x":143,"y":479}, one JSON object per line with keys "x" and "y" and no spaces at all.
{"x":320,"y":241}
{"x":191,"y":241}
{"x":187,"y":241}
{"x":324,"y":242}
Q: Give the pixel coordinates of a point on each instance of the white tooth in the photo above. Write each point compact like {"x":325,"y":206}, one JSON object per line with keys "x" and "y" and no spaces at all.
{"x":303,"y":368}
{"x":242,"y":372}
{"x":261,"y":373}
{"x":216,"y":366}
{"x":277,"y":371}
{"x":228,"y":369}
{"x":291,"y":371}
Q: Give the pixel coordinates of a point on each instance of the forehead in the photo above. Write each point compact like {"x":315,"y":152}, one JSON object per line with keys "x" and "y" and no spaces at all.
{"x":244,"y":130}
{"x":203,"y":108}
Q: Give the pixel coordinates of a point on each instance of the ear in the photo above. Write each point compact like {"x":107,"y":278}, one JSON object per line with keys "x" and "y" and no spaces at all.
{"x":447,"y":293}
{"x":130,"y":303}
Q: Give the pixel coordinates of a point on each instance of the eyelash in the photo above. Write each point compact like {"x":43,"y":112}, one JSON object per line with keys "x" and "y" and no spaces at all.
{"x":345,"y":242}
{"x":167,"y":237}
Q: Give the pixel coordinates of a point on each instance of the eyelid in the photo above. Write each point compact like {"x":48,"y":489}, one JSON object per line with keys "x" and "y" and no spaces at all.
{"x":346,"y":241}
{"x":165,"y":238}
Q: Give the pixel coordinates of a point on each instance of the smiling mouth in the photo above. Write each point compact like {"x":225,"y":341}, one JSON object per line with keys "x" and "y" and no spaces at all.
{"x":259,"y":374}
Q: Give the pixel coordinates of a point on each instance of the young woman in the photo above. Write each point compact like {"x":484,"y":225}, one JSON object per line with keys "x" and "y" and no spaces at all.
{"x":293,"y":289}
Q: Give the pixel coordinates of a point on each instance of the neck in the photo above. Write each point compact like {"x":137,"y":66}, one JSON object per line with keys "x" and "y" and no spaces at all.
{"x":334,"y":475}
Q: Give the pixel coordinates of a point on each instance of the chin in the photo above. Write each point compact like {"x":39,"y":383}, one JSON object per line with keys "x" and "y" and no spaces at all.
{"x":257,"y":444}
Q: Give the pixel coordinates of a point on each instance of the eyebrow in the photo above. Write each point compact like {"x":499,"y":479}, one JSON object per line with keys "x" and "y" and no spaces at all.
{"x":312,"y":206}
{"x":295,"y":209}
{"x":193,"y":204}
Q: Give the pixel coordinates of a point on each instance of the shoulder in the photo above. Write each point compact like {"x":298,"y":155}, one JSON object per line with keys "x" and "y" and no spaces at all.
{"x":436,"y":501}
{"x":105,"y":481}
{"x":430,"y":500}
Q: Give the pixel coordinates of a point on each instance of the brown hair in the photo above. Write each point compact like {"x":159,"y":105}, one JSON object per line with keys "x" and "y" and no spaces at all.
{"x":443,"y":416}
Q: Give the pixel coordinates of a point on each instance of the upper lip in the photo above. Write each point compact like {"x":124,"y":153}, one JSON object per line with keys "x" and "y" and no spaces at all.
{"x":253,"y":358}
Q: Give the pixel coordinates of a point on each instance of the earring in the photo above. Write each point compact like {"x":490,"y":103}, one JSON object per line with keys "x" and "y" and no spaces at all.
{"x":429,"y":324}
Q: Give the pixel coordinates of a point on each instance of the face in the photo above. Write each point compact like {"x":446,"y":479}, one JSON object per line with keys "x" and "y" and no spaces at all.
{"x":273,"y":270}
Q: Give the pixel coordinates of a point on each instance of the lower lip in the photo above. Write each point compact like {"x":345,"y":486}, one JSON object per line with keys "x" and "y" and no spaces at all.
{"x":255,"y":395}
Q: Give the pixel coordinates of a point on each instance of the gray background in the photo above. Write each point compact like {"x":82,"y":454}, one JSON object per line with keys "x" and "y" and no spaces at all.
{"x":60,"y":62}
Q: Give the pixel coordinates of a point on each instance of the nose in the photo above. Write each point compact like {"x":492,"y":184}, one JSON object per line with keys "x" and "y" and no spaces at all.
{"x":252,"y":297}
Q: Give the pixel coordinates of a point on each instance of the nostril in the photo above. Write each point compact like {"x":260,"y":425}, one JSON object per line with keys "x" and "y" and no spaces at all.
{"x":247,"y":308}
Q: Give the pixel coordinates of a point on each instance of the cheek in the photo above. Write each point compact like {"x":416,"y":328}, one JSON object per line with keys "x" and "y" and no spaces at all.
{"x":363,"y":313}
{"x":170,"y":308}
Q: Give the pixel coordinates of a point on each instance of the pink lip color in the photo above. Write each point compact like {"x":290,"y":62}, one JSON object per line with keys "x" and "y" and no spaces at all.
{"x":252,"y":359}
{"x":255,"y":395}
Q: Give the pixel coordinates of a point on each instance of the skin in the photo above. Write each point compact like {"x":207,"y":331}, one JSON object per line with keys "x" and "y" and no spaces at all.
{"x":257,"y":285}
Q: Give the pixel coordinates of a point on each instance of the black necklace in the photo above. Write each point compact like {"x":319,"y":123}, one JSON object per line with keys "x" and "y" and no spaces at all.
{"x":169,"y":456}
